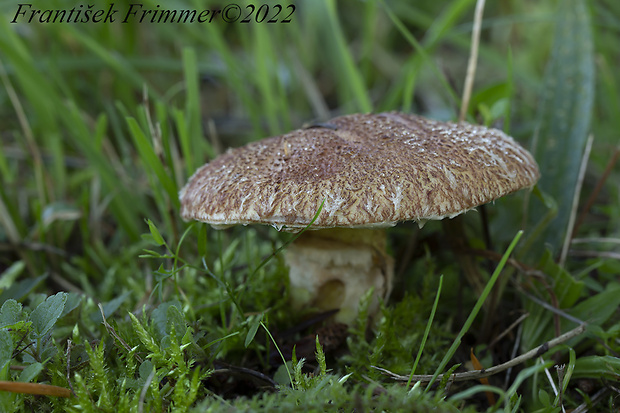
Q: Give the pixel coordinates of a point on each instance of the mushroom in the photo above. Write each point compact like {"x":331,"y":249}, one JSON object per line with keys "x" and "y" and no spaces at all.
{"x":369,"y":172}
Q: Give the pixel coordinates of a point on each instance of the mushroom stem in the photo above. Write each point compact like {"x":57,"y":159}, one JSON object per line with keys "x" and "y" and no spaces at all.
{"x":332,"y":269}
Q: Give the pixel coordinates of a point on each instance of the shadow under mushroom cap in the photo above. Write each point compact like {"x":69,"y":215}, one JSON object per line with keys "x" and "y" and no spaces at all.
{"x":372,"y":170}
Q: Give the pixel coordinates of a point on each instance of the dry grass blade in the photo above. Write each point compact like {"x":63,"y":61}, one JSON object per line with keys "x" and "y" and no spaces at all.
{"x":484,"y":381}
{"x":114,"y":334}
{"x":509,"y":329}
{"x":596,"y":254}
{"x":473,"y":58}
{"x":35,"y":388}
{"x":573,"y":213}
{"x":593,"y":401}
{"x":552,"y":383}
{"x":600,"y":240}
{"x":599,"y":185}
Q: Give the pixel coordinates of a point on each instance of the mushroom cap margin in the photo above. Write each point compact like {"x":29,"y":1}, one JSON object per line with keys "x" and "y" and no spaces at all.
{"x":370,"y":170}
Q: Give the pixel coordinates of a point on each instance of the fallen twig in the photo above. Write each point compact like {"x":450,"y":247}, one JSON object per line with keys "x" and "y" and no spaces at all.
{"x":478,"y":374}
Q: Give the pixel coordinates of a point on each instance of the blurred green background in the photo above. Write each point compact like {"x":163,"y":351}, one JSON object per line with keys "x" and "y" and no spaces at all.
{"x":102,"y":123}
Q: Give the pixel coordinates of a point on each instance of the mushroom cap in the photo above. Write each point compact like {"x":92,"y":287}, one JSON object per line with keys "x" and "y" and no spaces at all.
{"x":371,"y":170}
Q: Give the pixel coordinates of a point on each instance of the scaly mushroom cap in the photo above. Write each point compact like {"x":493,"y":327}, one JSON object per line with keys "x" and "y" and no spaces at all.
{"x":372,"y":170}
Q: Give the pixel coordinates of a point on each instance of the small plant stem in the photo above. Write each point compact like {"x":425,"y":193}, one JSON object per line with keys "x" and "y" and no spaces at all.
{"x":280,"y":353}
{"x":573,"y":213}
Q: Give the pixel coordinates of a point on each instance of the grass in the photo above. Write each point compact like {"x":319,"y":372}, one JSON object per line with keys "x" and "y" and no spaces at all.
{"x":104,"y":291}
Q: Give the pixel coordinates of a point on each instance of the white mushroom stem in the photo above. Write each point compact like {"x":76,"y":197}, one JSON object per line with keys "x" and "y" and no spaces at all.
{"x":333,"y":268}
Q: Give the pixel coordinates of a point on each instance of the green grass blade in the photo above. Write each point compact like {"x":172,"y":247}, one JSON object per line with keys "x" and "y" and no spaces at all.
{"x":266,"y":74}
{"x":192,"y":131}
{"x":112,"y":60}
{"x":426,"y":331}
{"x":607,"y":367}
{"x":564,"y":115}
{"x":476,"y":309}
{"x":125,"y":205}
{"x":437,"y":32}
{"x":151,"y":161}
{"x":349,"y":75}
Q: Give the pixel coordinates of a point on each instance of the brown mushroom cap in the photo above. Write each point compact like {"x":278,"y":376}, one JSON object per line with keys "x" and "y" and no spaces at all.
{"x":372,"y":170}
